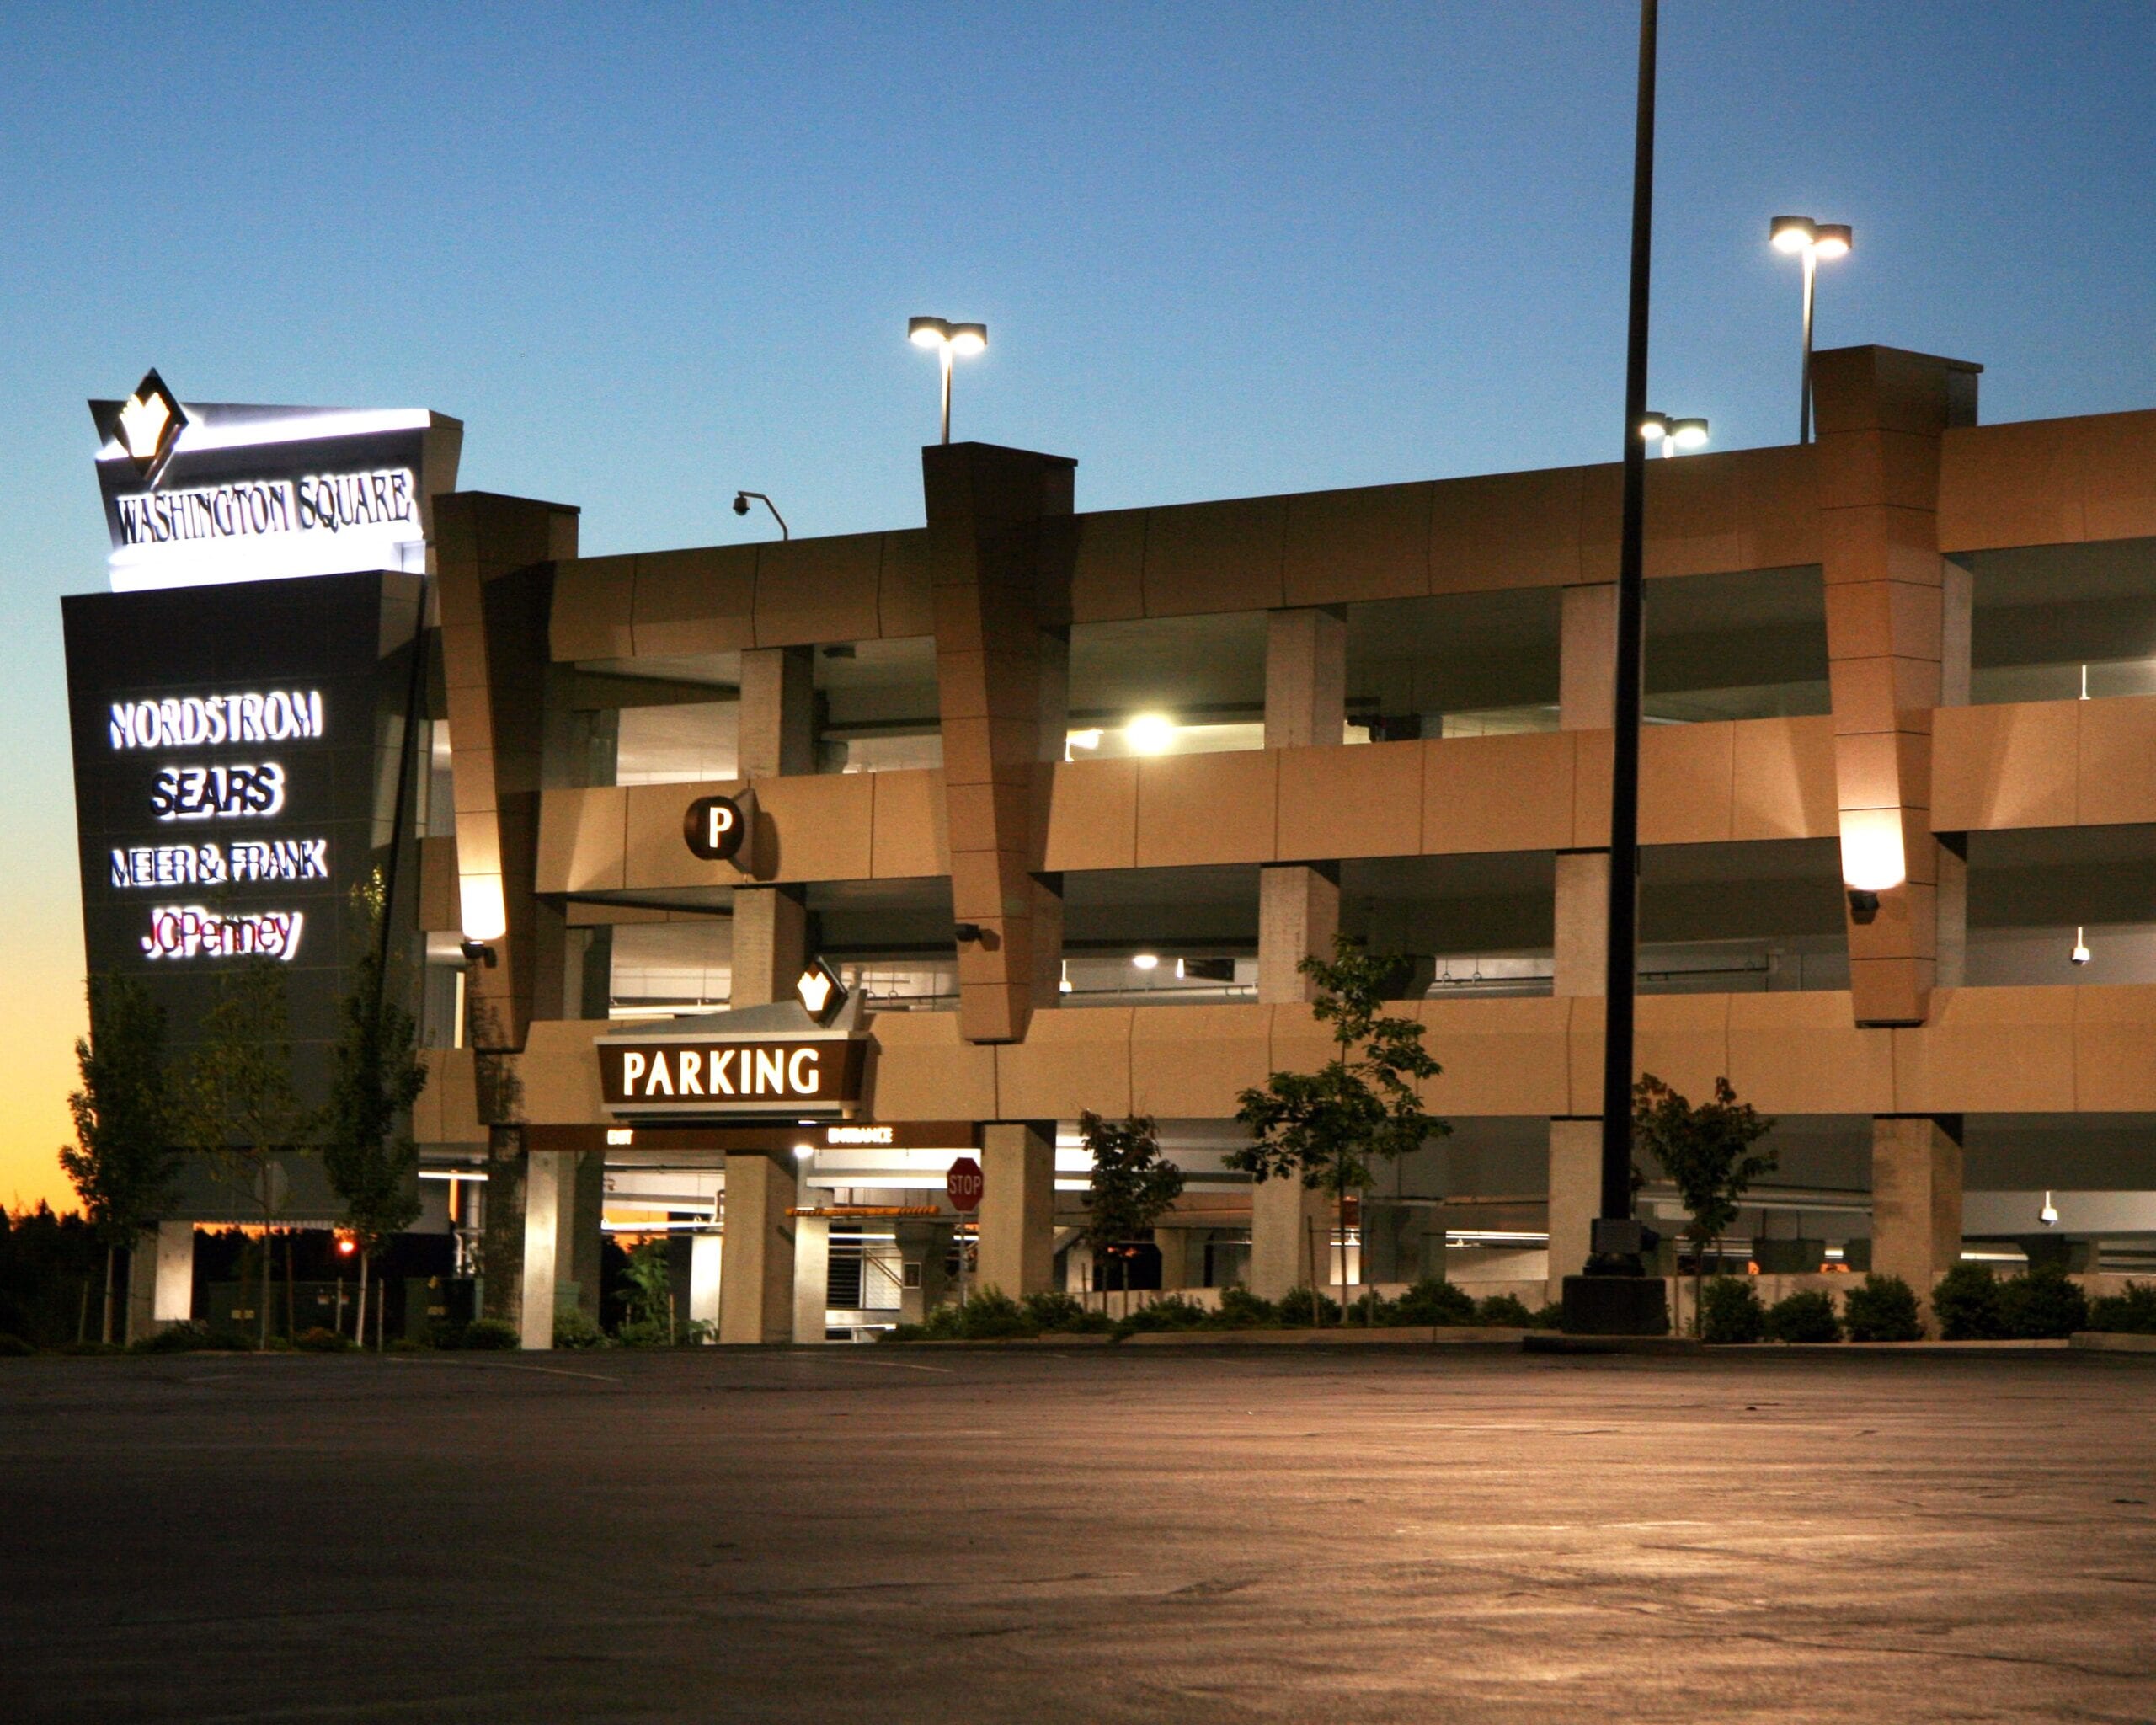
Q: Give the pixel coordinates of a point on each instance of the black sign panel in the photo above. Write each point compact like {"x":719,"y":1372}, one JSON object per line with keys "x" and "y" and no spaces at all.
{"x":733,"y":1074}
{"x":236,"y":775}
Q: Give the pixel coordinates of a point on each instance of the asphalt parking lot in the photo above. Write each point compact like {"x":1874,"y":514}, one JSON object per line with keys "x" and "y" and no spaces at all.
{"x":1082,"y":1536}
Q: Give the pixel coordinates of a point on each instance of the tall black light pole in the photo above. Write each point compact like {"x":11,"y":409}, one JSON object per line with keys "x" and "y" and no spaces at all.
{"x":1615,"y":1296}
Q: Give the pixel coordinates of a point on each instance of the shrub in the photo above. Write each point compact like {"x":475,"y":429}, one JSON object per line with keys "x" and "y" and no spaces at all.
{"x":1551,"y":1317}
{"x":14,"y":1348}
{"x":2131,"y":1313}
{"x":1882,"y":1309}
{"x":1056,"y":1312}
{"x":1242,"y":1310}
{"x":318,"y":1340}
{"x":1730,"y":1312}
{"x":1804,"y":1317}
{"x":2041,"y":1303}
{"x":640,"y":1332}
{"x":91,"y":1347}
{"x":1172,"y":1313}
{"x":1504,"y":1312}
{"x":991,"y":1315}
{"x":1965,"y":1303}
{"x":173,"y":1338}
{"x":493,"y":1334}
{"x":1300,"y":1308}
{"x":574,"y":1328}
{"x":1433,"y":1302}
{"x":1374,"y":1311}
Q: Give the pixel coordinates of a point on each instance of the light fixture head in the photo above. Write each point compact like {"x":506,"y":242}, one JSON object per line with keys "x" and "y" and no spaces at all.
{"x":965,"y":933}
{"x":2080,"y":954}
{"x":968,"y":338}
{"x":1791,"y":233}
{"x":1832,"y":239}
{"x":1688,"y":434}
{"x":477,"y":952}
{"x":1084,"y":740}
{"x":1654,"y":428}
{"x":928,"y":332}
{"x":1146,"y":961}
{"x":1864,"y":906}
{"x":2048,"y":1215}
{"x":740,"y":503}
{"x":1873,"y":858}
{"x":1150,"y":734}
{"x":802,"y":1152}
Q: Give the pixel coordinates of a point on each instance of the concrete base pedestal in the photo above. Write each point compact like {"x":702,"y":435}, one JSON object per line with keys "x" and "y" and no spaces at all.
{"x":1616,"y":1305}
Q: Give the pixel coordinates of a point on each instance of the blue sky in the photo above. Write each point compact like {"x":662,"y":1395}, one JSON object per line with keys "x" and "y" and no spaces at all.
{"x":649,"y":253}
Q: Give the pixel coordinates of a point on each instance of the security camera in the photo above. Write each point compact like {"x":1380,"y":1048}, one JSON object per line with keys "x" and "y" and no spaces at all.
{"x":740,"y":503}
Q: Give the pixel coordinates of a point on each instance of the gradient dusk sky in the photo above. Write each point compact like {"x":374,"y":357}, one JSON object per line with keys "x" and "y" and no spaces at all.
{"x":650,"y":253}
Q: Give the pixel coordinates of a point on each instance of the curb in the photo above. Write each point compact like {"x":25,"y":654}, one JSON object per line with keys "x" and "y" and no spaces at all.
{"x":2112,"y":1341}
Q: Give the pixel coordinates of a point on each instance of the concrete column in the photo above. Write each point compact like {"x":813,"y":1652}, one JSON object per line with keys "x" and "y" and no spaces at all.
{"x":1581,"y":952}
{"x":1305,"y":677}
{"x":812,"y":1270}
{"x":1916,"y":1197}
{"x":1017,"y":1206}
{"x":543,"y":1231}
{"x":1575,"y":1197}
{"x":1298,"y":917}
{"x":1001,"y":547}
{"x":771,"y":943}
{"x":161,"y":1279}
{"x":1587,"y":657}
{"x":1173,"y":1245}
{"x":755,"y":1300}
{"x":923,"y":1248}
{"x":778,"y":735}
{"x":1288,"y":1221}
{"x":1882,"y":415}
{"x":1953,"y":909}
{"x":564,"y":1192}
{"x":706,"y":1256}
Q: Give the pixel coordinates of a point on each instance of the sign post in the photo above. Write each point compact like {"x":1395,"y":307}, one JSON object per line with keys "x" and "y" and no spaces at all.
{"x":964,"y":1185}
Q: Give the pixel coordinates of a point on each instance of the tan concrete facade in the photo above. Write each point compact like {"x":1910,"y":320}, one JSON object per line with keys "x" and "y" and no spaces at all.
{"x":1900,"y":481}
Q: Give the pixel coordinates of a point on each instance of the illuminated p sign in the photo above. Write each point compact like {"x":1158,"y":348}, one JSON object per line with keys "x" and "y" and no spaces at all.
{"x":716,"y":827}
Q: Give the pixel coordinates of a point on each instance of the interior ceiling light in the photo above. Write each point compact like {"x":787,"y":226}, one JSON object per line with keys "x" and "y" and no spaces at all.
{"x":1150,"y":734}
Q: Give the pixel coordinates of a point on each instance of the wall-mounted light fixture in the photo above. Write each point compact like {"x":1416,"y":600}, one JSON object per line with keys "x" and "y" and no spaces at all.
{"x":965,"y":933}
{"x":741,"y":508}
{"x":1873,"y":860}
{"x":2080,"y":953}
{"x":477,"y":952}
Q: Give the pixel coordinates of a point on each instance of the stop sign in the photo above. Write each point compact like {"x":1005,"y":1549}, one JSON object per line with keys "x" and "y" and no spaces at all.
{"x":963,"y":1183}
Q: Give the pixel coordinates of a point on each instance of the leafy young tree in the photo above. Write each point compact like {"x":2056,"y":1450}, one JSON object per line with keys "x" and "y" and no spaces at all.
{"x":124,"y":1160}
{"x":240,"y":1104}
{"x":1326,"y":1128}
{"x":368,"y":1151}
{"x":649,"y":1294}
{"x":1707,"y":1152}
{"x":1130,"y":1188}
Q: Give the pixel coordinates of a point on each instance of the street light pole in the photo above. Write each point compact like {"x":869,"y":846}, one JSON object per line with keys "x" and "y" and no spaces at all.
{"x":948,"y":339}
{"x":1613,"y":1297}
{"x":1811,"y":240}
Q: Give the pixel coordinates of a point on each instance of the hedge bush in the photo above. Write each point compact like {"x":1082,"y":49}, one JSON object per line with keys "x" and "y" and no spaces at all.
{"x":574,"y":1328}
{"x":174,"y":1339}
{"x":2132,"y":1313}
{"x":1965,"y":1304}
{"x":1433,"y":1302}
{"x":1300,"y":1308}
{"x":1804,"y":1317}
{"x":1882,"y":1309}
{"x":2043,"y":1303}
{"x":1730,"y":1312}
{"x":317,"y":1340}
{"x":1242,"y":1310}
{"x":492,"y":1335}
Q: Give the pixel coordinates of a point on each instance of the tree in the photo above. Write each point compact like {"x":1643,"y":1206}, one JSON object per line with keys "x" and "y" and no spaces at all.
{"x":1326,"y":1127}
{"x":368,"y":1151}
{"x":241,"y":1106}
{"x":1707,"y":1152}
{"x":124,"y":1160}
{"x":1130,"y":1188}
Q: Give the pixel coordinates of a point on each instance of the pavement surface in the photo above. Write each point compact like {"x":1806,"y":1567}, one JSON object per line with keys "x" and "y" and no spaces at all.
{"x":1088,"y":1534}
